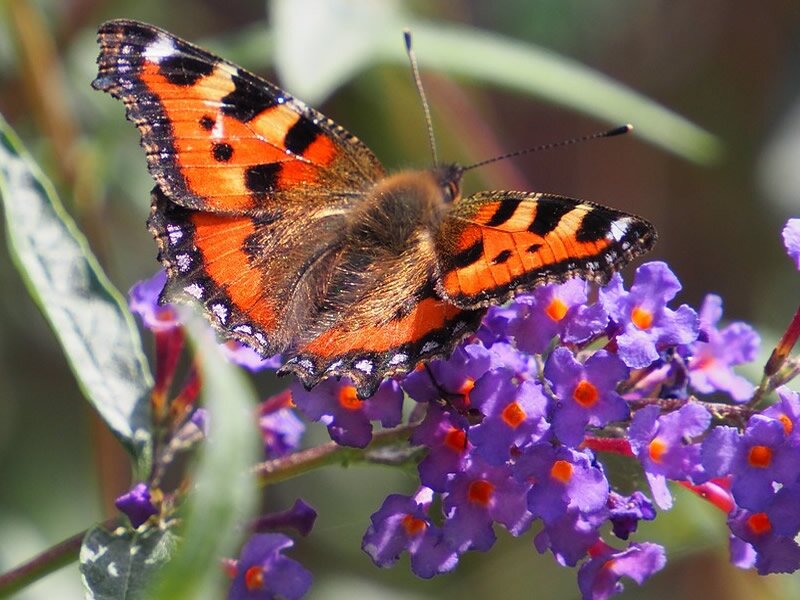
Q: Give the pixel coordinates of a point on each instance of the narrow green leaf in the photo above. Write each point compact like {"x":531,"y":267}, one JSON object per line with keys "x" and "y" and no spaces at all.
{"x":88,"y":315}
{"x":119,"y":564}
{"x":495,"y":59}
{"x":364,"y":33}
{"x":224,"y":492}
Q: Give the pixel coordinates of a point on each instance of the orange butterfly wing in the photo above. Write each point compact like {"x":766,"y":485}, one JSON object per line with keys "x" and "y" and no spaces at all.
{"x":253,"y":185}
{"x":494,"y":244}
{"x":221,"y":139}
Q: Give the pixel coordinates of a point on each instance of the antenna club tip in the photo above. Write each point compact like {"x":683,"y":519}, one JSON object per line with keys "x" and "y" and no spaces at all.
{"x":407,"y":38}
{"x":621,"y":130}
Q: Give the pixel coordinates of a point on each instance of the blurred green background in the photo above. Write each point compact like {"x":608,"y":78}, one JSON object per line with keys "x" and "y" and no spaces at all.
{"x":500,"y":76}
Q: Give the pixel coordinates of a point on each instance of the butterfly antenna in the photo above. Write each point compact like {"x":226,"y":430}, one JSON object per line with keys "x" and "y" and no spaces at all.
{"x":412,"y":58}
{"x":622,"y":129}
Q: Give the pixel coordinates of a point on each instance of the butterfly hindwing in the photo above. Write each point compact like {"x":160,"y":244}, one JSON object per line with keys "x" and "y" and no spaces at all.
{"x":221,"y":139}
{"x":494,"y":244}
{"x":382,"y":315}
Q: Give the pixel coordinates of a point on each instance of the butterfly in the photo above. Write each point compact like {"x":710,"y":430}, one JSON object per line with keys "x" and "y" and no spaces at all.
{"x":293,"y":238}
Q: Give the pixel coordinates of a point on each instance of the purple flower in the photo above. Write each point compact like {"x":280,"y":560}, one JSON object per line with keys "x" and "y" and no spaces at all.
{"x":561,"y":479}
{"x":513,"y":415}
{"x":586,"y":392}
{"x":200,"y":419}
{"x":710,"y":366}
{"x":280,"y":427}
{"x":246,"y":357}
{"x":494,"y":325}
{"x":784,"y":510}
{"x":773,"y":553}
{"x":625,"y":512}
{"x":756,"y":459}
{"x":444,"y":434}
{"x":664,"y":447}
{"x":787,"y":411}
{"x":646,"y":324}
{"x":476,"y":498}
{"x":598,"y":578}
{"x":453,"y":377}
{"x":336,"y":404}
{"x":402,"y":524}
{"x":742,"y":554}
{"x":143,"y":301}
{"x":263,"y":573}
{"x":300,"y":517}
{"x":791,"y":239}
{"x":137,"y":504}
{"x":571,"y":536}
{"x":552,"y":310}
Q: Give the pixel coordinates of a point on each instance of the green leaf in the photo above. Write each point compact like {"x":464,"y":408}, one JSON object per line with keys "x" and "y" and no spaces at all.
{"x":320,"y":45}
{"x":88,"y":315}
{"x":491,"y":58}
{"x":224,"y":494}
{"x":364,"y":33}
{"x":119,"y":564}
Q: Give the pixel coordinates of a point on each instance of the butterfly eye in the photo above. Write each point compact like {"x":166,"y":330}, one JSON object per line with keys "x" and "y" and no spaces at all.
{"x":451,"y":191}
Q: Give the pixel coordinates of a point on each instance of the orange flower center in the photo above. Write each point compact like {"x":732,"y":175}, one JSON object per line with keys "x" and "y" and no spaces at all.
{"x":562,"y":471}
{"x":466,"y":388}
{"x":759,"y":523}
{"x":760,"y":456}
{"x":513,"y":415}
{"x":657,"y":449}
{"x":456,"y":439}
{"x":585,"y":394}
{"x":480,"y":492}
{"x":413,"y":525}
{"x":348,"y":398}
{"x":641,"y":317}
{"x":788,"y":426}
{"x":556,"y":310}
{"x":254,"y":578}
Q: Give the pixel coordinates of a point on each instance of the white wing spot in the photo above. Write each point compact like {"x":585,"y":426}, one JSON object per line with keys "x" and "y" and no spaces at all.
{"x":175,"y":233}
{"x":430,"y":346}
{"x":243,"y":329}
{"x":619,"y":228}
{"x":112,"y":569}
{"x":398,"y":359}
{"x":160,"y":48}
{"x":364,"y":365}
{"x":260,"y":338}
{"x":221,"y":311}
{"x":334,"y":365}
{"x":307,"y":365}
{"x":184,"y":261}
{"x":195,"y":290}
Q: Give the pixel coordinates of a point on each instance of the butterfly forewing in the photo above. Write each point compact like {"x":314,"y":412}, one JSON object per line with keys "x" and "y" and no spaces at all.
{"x":221,"y":139}
{"x":494,"y":244}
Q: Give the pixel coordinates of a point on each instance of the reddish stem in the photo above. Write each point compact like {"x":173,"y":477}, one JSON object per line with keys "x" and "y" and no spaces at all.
{"x":619,"y":446}
{"x":784,"y":347}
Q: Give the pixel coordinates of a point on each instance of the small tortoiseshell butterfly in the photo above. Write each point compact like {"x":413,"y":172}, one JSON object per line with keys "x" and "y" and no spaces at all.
{"x":288,"y":231}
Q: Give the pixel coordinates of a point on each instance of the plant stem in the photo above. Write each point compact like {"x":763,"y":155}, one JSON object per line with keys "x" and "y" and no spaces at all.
{"x":286,"y":467}
{"x":45,"y":563}
{"x":268,"y":472}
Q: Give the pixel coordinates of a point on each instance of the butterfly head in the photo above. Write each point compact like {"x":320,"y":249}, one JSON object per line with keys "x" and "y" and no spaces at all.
{"x":448,"y":177}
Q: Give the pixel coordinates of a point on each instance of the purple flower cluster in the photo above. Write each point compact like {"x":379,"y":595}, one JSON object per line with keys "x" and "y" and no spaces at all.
{"x":514,"y":426}
{"x":520,"y":454}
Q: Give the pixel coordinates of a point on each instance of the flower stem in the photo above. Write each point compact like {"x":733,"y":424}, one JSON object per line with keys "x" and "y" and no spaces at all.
{"x":45,"y":563}
{"x":287,"y":467}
